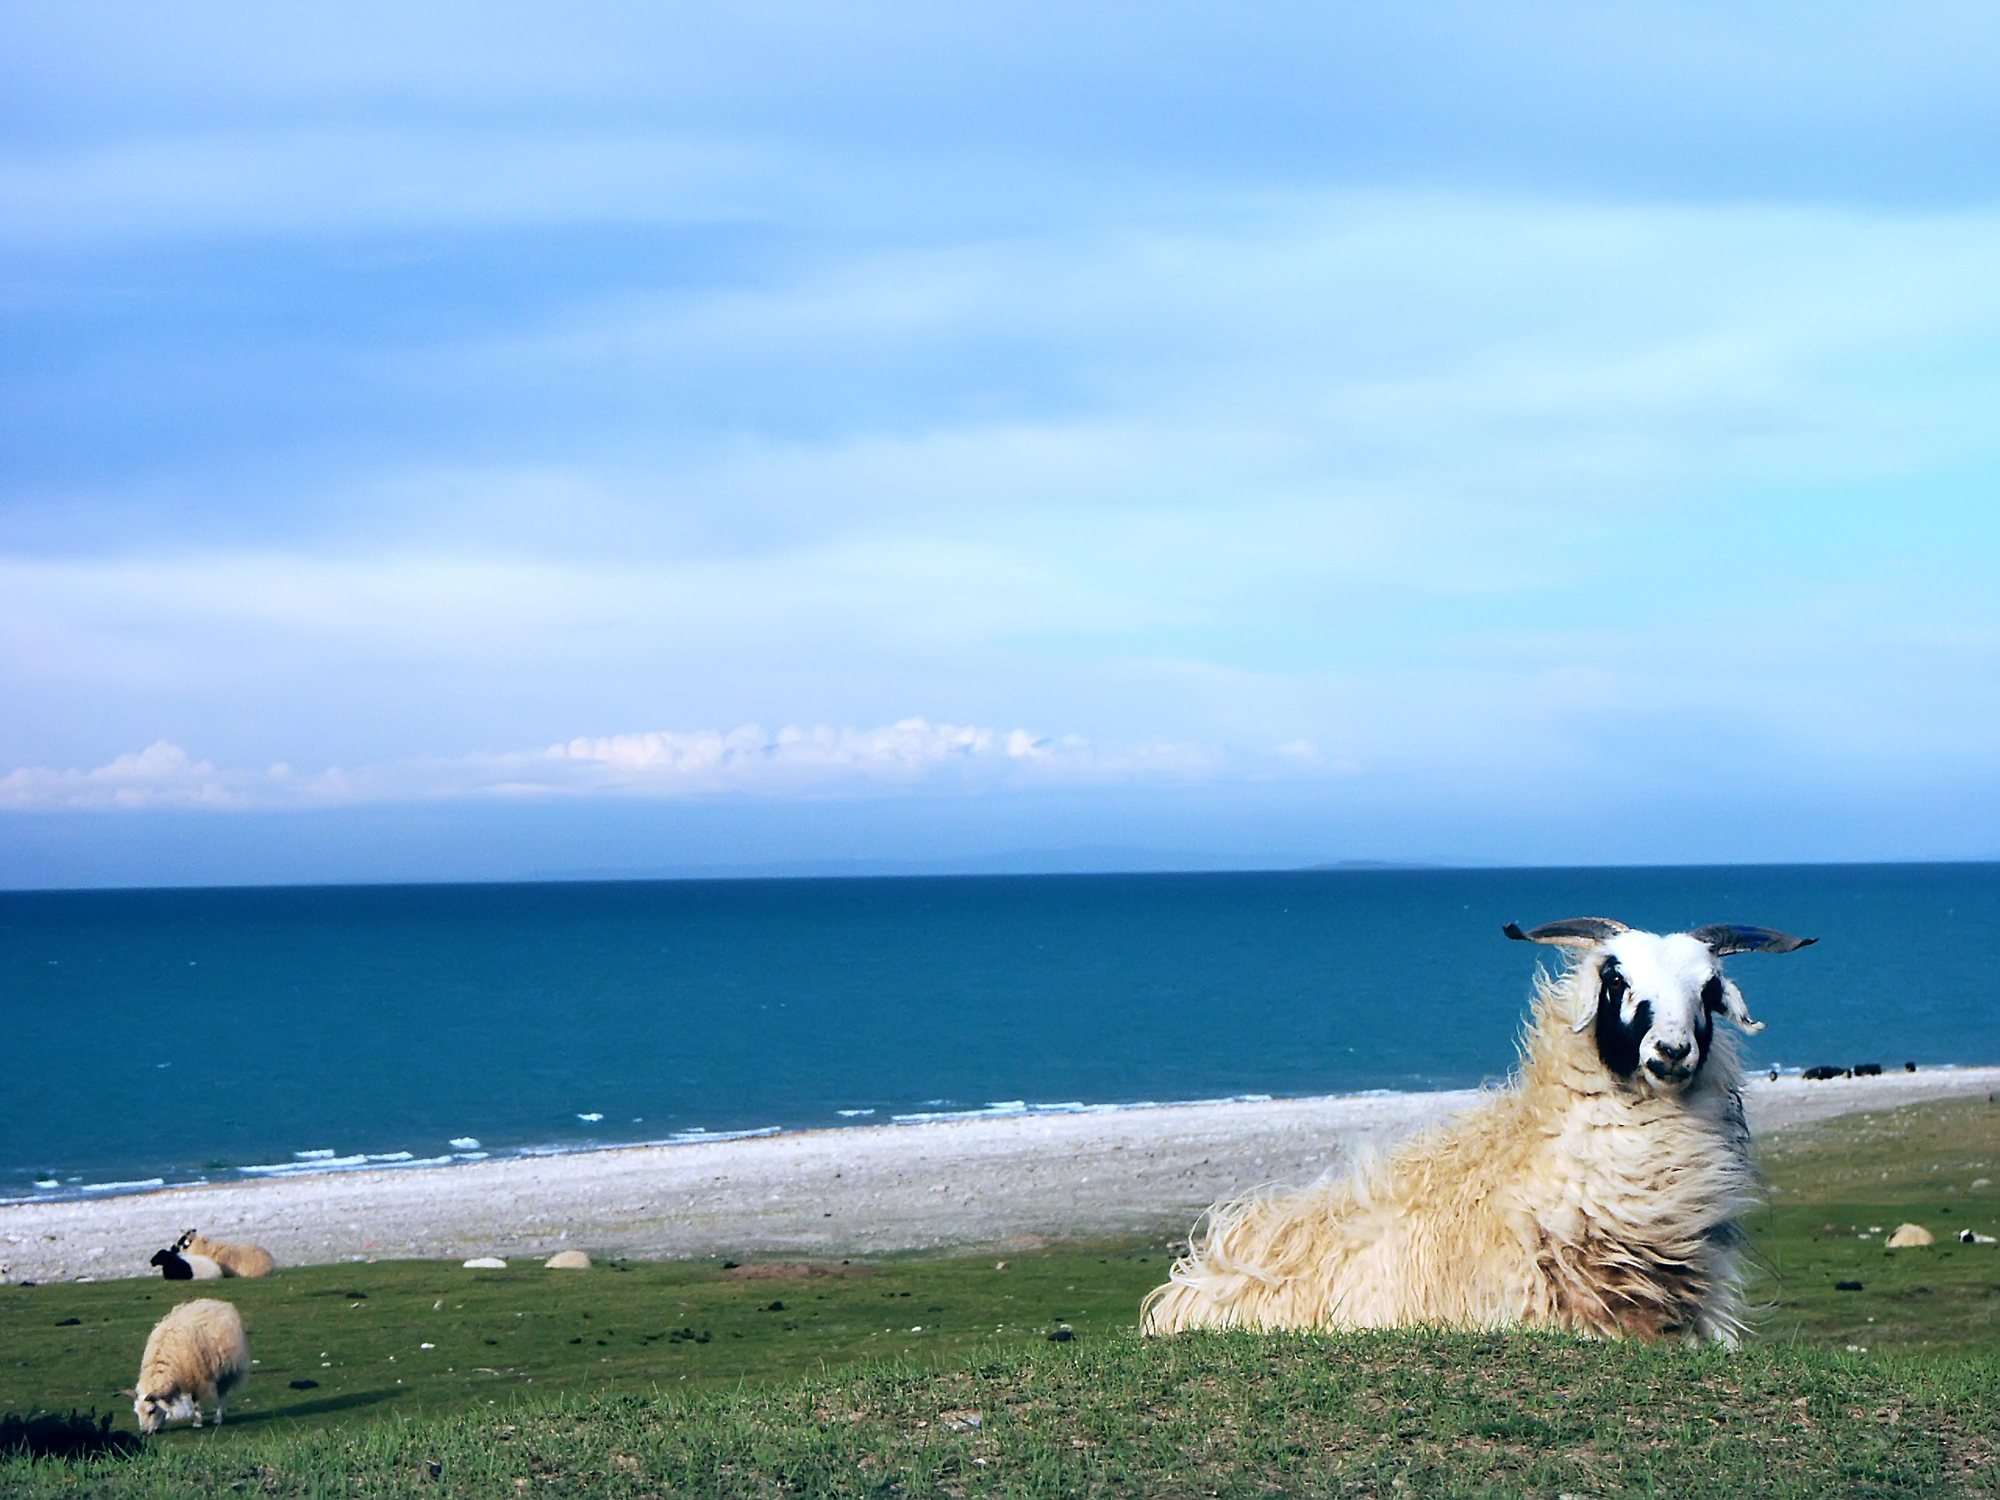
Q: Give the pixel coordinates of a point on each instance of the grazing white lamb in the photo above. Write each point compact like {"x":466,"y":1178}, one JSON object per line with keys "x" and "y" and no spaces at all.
{"x":1597,"y":1193}
{"x":195,"y":1353}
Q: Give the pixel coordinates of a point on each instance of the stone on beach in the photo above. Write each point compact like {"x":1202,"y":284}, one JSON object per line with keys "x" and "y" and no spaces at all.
{"x":486,"y":1263}
{"x":568,"y":1260}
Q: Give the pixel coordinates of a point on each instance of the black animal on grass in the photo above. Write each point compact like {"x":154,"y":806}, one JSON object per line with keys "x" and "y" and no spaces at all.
{"x":170,"y":1262}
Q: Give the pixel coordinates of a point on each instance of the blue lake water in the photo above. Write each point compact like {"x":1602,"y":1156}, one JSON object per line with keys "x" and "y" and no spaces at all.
{"x":175,"y":1035}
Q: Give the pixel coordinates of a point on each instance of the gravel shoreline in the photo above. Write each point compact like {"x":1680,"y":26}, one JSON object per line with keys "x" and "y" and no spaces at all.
{"x":857,"y":1191}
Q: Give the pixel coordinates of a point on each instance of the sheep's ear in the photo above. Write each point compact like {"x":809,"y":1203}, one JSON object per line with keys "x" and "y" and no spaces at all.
{"x":1731,"y":937}
{"x":1734,"y":1008}
{"x":1572,"y":932}
{"x":1589,"y":983}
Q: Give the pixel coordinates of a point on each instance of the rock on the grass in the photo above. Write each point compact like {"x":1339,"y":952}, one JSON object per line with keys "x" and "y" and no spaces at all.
{"x":486,"y":1263}
{"x":568,"y":1260}
{"x":1909,"y":1237}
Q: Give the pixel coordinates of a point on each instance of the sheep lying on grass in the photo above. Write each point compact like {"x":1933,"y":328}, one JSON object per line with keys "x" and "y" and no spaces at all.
{"x":1597,"y":1193}
{"x":195,"y":1353}
{"x":235,"y":1260}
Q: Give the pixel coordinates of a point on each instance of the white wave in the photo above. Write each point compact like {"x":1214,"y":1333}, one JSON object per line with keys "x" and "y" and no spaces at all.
{"x":464,"y":1143}
{"x":324,"y":1161}
{"x":852,"y":1114}
{"x":1015,"y":1108}
{"x":690,"y":1137}
{"x":697,"y":1135}
{"x":592,"y":1118}
{"x":1002,"y":1111}
{"x":313,"y":1162}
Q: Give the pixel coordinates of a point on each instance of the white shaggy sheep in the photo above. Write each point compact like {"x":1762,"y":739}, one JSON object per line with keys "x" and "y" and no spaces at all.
{"x":235,"y":1260}
{"x":195,"y":1353}
{"x":1597,"y":1193}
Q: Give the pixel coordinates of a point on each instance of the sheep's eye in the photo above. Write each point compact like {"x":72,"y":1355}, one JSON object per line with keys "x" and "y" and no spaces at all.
{"x":1711,"y":993}
{"x":1614,"y":984}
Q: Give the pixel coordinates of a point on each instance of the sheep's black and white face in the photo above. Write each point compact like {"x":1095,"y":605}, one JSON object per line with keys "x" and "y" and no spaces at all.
{"x":1657,"y":1000}
{"x":154,"y":1412}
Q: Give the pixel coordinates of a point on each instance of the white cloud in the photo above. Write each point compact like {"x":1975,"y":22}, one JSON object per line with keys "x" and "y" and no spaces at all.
{"x":749,"y":761}
{"x":161,"y":775}
{"x":1387,"y":475}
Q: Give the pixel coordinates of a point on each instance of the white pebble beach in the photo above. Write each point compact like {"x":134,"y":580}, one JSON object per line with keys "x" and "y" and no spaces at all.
{"x":1015,"y":1181}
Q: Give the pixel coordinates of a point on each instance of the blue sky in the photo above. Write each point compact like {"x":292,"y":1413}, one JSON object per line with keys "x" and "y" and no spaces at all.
{"x":492,"y":441}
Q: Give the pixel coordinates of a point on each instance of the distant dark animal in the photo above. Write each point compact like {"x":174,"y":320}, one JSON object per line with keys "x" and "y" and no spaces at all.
{"x":180,"y":1262}
{"x":1867,"y":1070}
{"x":172,"y":1266}
{"x":1909,"y":1067}
{"x":1819,"y":1073}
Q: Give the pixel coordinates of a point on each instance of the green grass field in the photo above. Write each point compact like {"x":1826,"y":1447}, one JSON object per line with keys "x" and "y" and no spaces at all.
{"x":649,"y":1379}
{"x":423,"y":1336}
{"x":1837,"y":1182}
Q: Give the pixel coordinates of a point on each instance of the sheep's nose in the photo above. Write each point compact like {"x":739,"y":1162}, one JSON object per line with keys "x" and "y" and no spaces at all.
{"x":1675,"y":1051}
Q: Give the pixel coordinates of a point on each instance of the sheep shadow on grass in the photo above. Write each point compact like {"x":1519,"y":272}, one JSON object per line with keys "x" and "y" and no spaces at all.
{"x":70,"y":1434}
{"x":323,"y":1406}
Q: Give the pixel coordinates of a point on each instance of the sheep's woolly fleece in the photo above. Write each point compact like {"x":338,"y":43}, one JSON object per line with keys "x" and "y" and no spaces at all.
{"x":1570,"y":1199}
{"x":197,"y":1353}
{"x":234,"y":1260}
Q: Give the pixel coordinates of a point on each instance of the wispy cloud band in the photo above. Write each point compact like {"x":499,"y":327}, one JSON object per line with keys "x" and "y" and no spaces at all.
{"x":748,"y":761}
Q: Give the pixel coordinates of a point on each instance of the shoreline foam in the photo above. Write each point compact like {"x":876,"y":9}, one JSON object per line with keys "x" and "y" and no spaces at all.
{"x":467,"y":1149}
{"x":876,"y":1189}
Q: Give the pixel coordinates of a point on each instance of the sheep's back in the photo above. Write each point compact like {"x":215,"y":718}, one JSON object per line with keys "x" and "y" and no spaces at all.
{"x":197,"y":1347}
